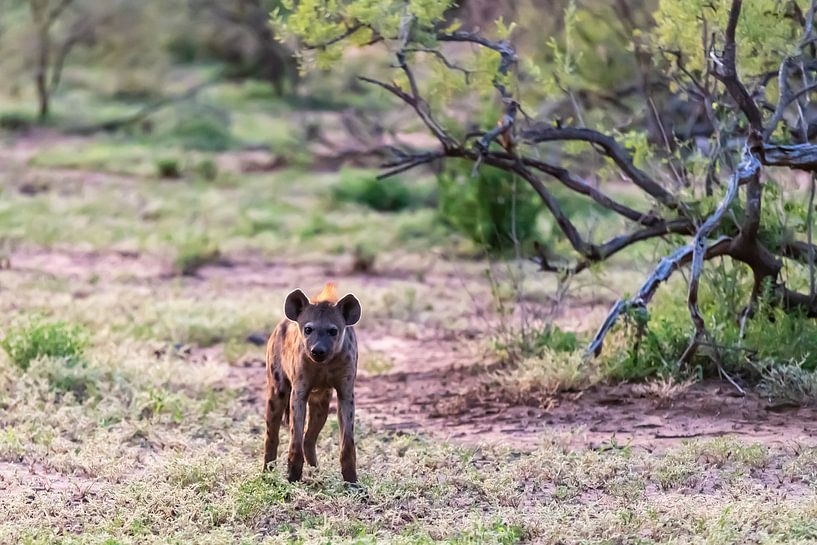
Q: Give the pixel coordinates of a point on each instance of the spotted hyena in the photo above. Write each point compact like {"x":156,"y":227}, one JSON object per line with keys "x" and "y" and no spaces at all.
{"x":310,"y":353}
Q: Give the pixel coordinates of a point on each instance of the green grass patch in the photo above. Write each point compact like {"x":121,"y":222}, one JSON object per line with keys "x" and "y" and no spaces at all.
{"x":36,"y":338}
{"x":775,"y":347}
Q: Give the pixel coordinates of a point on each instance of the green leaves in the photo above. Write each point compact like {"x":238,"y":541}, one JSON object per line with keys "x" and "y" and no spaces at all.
{"x":765,"y":33}
{"x":322,"y":24}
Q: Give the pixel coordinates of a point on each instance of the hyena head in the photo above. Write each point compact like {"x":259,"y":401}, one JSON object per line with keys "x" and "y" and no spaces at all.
{"x":323,"y":321}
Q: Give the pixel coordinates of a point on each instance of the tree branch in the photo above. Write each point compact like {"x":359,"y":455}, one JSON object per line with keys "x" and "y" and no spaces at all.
{"x":748,"y":170}
{"x":611,"y":148}
{"x":662,"y":272}
{"x":726,"y":71}
{"x":579,"y":186}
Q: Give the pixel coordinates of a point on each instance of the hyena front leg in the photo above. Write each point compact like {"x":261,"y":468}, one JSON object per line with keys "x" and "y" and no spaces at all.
{"x":277,"y":402}
{"x":297,"y":416}
{"x":316,"y":418}
{"x":346,"y":419}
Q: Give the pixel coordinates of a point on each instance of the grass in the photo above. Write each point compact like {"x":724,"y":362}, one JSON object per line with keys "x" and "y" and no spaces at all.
{"x":537,"y":378}
{"x":204,"y":485}
{"x":391,"y":195}
{"x":261,"y":212}
{"x":37,"y":338}
{"x":775,"y":349}
{"x":147,"y":444}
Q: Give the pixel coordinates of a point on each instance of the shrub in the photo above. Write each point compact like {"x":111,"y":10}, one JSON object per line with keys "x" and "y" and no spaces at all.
{"x":16,"y":121}
{"x":363,"y":258}
{"x":38,"y":338}
{"x":168,"y":168}
{"x":534,"y":343}
{"x":533,"y":379}
{"x":775,"y":346}
{"x":787,"y":383}
{"x":658,"y":341}
{"x":391,"y":195}
{"x":207,"y":169}
{"x":202,"y":129}
{"x":490,"y":209}
{"x":195,"y":252}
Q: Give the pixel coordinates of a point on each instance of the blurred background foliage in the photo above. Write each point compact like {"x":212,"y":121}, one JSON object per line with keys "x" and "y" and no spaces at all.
{"x":207,"y":94}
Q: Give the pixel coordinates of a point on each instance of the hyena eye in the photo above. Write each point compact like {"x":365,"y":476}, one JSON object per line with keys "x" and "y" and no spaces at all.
{"x":307,"y":330}
{"x":333,"y":332}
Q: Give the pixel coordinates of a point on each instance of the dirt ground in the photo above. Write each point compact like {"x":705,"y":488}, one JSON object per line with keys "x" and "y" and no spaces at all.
{"x":437,"y":380}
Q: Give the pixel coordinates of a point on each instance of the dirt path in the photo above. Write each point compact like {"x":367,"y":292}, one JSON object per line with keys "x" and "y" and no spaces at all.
{"x":435,"y":380}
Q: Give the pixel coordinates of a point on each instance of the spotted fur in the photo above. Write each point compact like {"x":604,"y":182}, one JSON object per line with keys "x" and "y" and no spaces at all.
{"x":312,"y":352}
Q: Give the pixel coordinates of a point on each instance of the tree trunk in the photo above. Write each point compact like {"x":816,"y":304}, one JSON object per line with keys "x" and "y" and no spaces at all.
{"x":41,"y":75}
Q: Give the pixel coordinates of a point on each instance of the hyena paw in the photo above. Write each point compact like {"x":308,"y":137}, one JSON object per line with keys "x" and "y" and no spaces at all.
{"x":311,"y":455}
{"x":295,"y":471}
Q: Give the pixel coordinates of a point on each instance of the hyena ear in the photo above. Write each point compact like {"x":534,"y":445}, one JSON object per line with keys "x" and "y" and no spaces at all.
{"x":350,"y":309}
{"x":295,"y":304}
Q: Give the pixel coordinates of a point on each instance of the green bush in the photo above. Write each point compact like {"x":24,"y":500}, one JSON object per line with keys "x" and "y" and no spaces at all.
{"x":773,"y":339}
{"x":194,"y":252}
{"x":390,"y":195}
{"x":653,"y":343}
{"x":16,"y":121}
{"x":487,"y":208}
{"x":38,"y":338}
{"x":207,"y":169}
{"x":168,"y":168}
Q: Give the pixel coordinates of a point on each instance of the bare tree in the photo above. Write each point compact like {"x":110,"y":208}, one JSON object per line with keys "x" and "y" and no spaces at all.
{"x":519,"y":135}
{"x":273,"y":62}
{"x":51,"y":53}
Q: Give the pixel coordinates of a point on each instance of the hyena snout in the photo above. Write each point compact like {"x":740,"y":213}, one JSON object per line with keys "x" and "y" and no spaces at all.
{"x":319,"y":353}
{"x":321,"y":347}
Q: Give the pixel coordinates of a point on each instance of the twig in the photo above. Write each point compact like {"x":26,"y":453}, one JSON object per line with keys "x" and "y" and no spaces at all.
{"x":731,"y":381}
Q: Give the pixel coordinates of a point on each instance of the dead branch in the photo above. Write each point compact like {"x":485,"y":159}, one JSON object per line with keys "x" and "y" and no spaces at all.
{"x":671,"y":215}
{"x":662,"y":273}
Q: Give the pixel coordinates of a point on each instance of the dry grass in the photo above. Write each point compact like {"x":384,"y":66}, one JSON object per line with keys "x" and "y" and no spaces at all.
{"x":537,"y":378}
{"x":664,"y":389}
